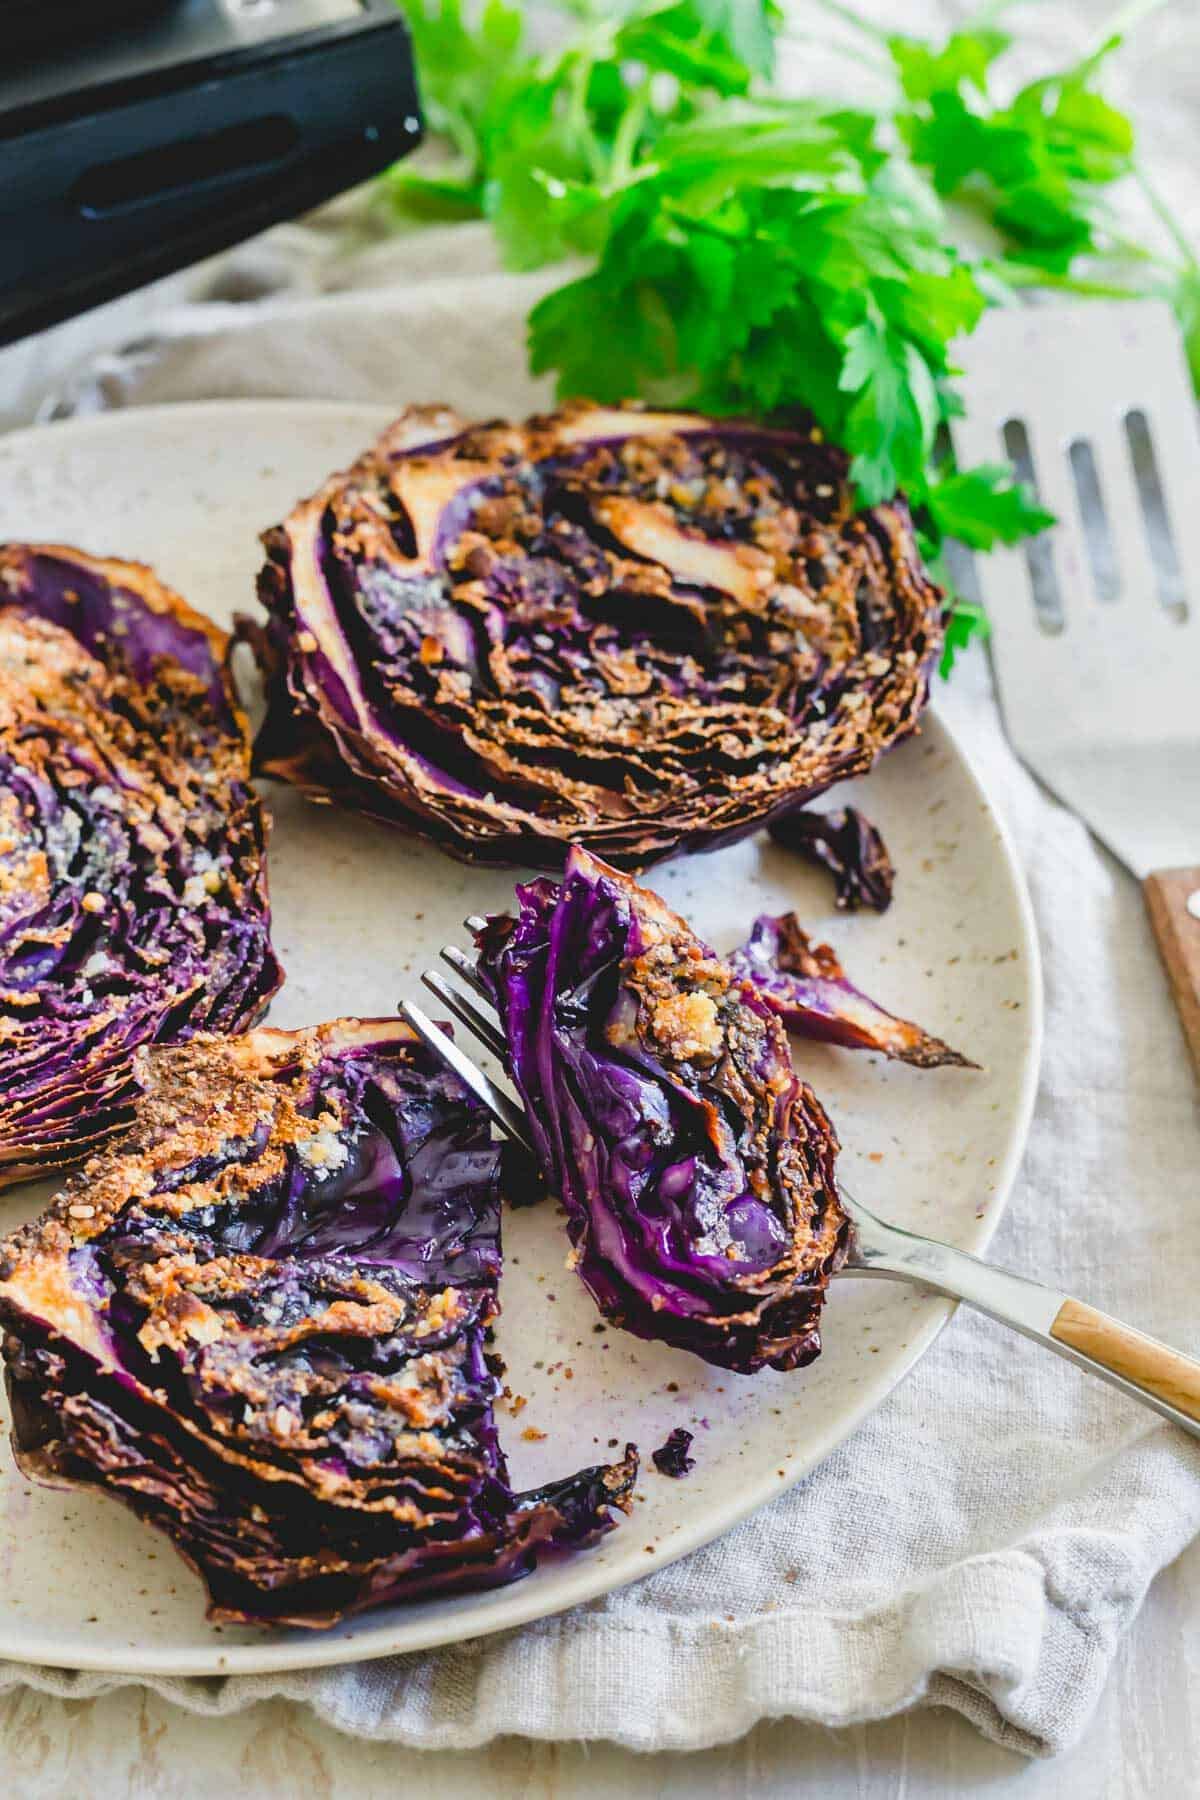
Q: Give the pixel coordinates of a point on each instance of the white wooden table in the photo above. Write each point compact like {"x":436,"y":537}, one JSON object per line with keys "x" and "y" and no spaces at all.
{"x":1143,"y":1744}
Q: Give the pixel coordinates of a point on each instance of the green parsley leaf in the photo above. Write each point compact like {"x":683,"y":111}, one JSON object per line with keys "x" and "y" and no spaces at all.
{"x":985,"y":506}
{"x":1034,"y":166}
{"x":964,"y":60}
{"x":967,"y":621}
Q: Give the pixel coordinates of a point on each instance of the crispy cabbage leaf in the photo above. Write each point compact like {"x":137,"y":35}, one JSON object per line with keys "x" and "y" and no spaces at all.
{"x":696,"y":1169}
{"x":807,"y":986}
{"x":641,"y":632}
{"x":261,"y":1320}
{"x":133,"y":894}
{"x":849,"y":846}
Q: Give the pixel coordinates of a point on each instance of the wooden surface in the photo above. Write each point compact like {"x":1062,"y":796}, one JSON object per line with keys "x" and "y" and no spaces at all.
{"x":1143,"y":1744}
{"x":1174,"y":1377}
{"x":1178,"y":933}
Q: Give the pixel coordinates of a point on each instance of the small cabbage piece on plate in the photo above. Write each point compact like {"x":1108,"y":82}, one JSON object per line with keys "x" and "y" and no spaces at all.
{"x":643,"y":632}
{"x":696,"y":1169}
{"x":261,"y":1320}
{"x":671,"y":1458}
{"x":849,"y":846}
{"x":807,"y":986}
{"x":133,"y":893}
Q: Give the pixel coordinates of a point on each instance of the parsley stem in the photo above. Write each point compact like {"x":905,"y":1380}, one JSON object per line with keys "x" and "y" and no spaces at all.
{"x":464,"y":139}
{"x":1130,"y":249}
{"x":1118,"y":27}
{"x":1023,"y":275}
{"x":578,"y":119}
{"x":628,"y":131}
{"x":1166,"y":218}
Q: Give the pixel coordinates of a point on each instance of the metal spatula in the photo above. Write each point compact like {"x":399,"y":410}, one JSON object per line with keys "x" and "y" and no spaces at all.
{"x":1096,"y":625}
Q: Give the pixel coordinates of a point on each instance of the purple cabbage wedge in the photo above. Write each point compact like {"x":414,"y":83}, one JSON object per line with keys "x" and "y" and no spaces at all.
{"x":642,"y":632}
{"x":133,"y":895}
{"x":807,"y":986}
{"x":696,"y":1170}
{"x":261,"y":1320}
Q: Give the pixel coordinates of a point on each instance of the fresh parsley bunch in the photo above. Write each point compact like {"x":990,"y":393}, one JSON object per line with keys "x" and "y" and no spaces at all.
{"x":542,"y":141}
{"x":752,"y":254}
{"x":1039,"y":166}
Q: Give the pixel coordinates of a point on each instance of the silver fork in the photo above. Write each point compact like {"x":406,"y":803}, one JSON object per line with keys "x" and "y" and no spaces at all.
{"x":1140,"y":1366}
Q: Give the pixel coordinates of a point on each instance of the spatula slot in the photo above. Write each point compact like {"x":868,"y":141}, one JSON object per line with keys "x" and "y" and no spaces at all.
{"x":963,"y":573}
{"x":1160,"y":536}
{"x":1038,"y":551}
{"x":1093,"y":517}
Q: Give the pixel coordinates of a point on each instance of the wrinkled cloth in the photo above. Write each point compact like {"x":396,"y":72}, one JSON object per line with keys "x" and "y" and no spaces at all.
{"x":984,"y":1540}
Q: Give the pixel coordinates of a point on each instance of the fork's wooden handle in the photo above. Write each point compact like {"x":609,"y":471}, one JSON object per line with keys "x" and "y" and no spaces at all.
{"x":1139,"y":1365}
{"x":1173,"y":899}
{"x":1155,"y":1367}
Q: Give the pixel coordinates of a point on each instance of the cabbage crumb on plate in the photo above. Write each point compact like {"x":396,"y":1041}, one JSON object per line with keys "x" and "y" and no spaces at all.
{"x":671,"y":1458}
{"x":849,"y":847}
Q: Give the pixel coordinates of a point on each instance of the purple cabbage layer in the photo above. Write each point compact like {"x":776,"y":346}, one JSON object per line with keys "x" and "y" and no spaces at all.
{"x":696,"y":1169}
{"x":262,"y":1322}
{"x":849,"y":847}
{"x":133,"y":893}
{"x":807,"y":986}
{"x":641,"y":632}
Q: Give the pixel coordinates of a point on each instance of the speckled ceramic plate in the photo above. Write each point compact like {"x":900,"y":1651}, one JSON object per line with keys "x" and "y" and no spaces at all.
{"x":359,"y":911}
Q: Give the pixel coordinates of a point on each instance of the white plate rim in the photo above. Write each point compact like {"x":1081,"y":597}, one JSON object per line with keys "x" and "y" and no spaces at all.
{"x":524,"y":1602}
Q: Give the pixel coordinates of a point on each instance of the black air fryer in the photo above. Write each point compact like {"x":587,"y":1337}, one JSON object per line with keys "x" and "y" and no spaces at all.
{"x":137,"y":136}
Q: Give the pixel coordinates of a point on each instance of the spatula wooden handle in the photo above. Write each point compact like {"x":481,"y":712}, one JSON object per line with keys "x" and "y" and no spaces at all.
{"x":1173,"y":900}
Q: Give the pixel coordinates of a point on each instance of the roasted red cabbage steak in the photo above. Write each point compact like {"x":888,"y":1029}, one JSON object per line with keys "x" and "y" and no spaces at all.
{"x":696,"y":1169}
{"x":261,"y":1319}
{"x":133,"y":895}
{"x":641,"y":632}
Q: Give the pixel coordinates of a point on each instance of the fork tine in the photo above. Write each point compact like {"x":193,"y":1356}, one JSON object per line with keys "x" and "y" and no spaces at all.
{"x":506,"y":1113}
{"x":464,"y":965}
{"x":465,"y":1009}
